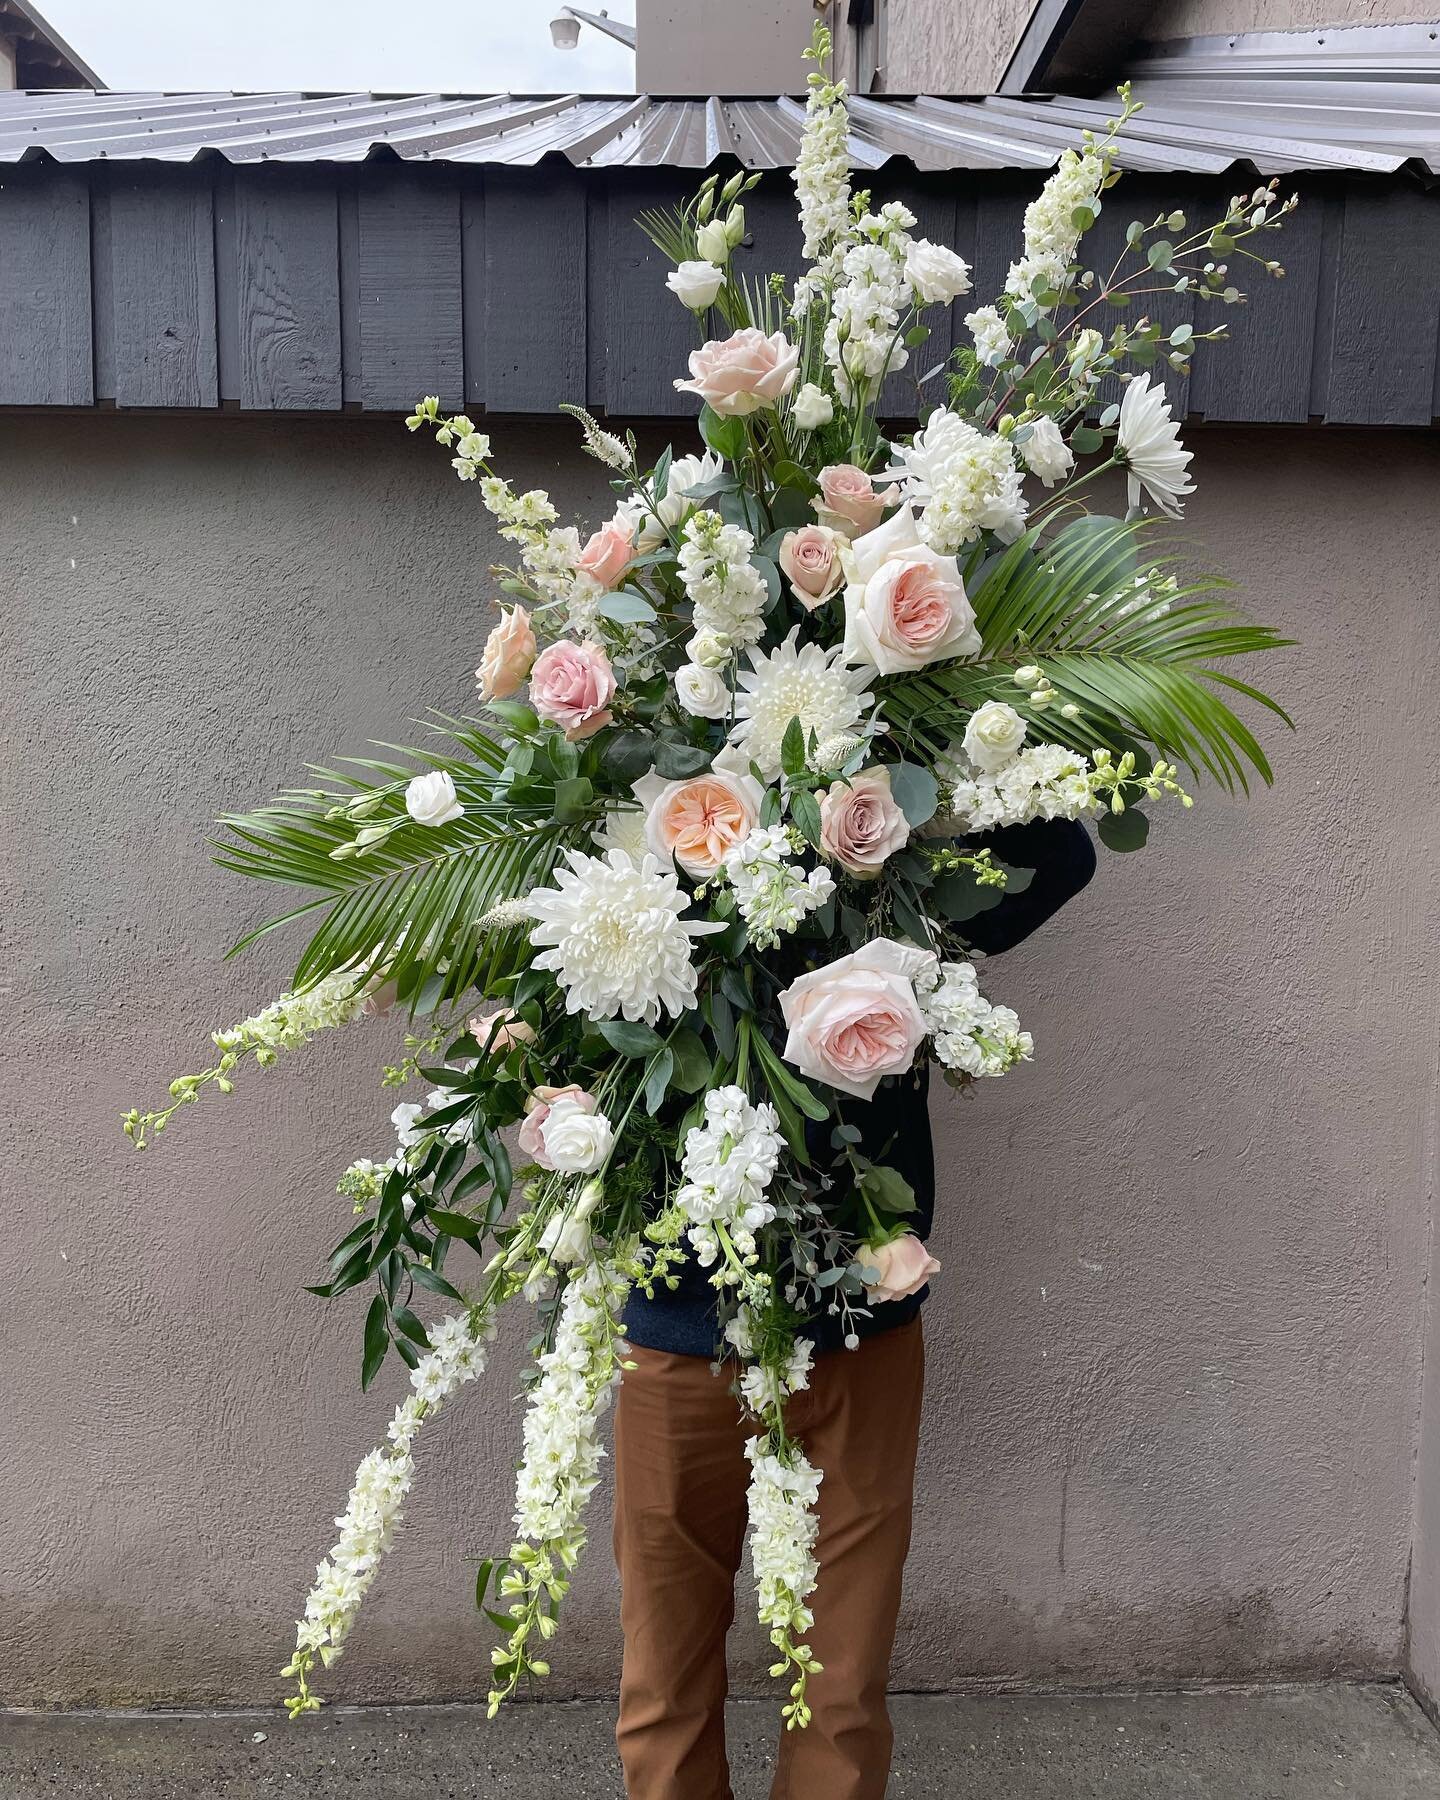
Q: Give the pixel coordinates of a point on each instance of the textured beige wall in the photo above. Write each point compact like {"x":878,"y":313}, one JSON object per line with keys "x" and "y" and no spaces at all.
{"x":740,"y":47}
{"x":937,"y":46}
{"x":1175,"y":1352}
{"x":1197,"y":18}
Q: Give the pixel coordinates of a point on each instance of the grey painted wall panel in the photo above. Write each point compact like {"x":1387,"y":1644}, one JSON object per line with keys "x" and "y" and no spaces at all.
{"x":535,"y":289}
{"x":162,"y":252}
{"x":46,"y":356}
{"x":287,"y":293}
{"x":1387,"y":310}
{"x":472,"y":285}
{"x":411,"y":336}
{"x":648,"y":334}
{"x":1175,"y":1346}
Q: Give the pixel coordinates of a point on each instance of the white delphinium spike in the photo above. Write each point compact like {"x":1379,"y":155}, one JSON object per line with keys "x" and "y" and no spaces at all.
{"x":604,"y":446}
{"x":822,"y":178}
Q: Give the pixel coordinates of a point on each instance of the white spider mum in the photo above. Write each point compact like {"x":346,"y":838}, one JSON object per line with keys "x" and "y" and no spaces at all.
{"x":809,"y":684}
{"x":616,"y":941}
{"x":1148,"y":443}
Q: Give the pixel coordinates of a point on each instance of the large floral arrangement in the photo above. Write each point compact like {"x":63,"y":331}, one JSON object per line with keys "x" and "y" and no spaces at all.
{"x":704,"y":865}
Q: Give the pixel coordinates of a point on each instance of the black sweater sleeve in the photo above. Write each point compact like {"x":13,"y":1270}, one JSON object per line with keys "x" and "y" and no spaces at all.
{"x":1063,"y":858}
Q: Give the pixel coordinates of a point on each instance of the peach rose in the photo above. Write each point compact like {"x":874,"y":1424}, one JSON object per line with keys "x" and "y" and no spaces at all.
{"x":609,"y":552}
{"x":895,"y":1270}
{"x":860,"y":824}
{"x":848,"y":501}
{"x":810,"y":558}
{"x":509,"y":651}
{"x":572,"y":686}
{"x":905,"y":606}
{"x":500,"y":1031}
{"x":537,"y":1111}
{"x":857,"y":1020}
{"x":695,"y":822}
{"x":740,"y":374}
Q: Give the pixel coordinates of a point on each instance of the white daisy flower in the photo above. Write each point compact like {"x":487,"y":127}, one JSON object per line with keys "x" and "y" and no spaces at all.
{"x":809,"y":684}
{"x":1148,"y":444}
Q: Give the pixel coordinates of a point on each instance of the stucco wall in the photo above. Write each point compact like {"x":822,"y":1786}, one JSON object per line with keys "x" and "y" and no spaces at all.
{"x":935,"y":46}
{"x":1196,"y":18}
{"x":1175,"y":1354}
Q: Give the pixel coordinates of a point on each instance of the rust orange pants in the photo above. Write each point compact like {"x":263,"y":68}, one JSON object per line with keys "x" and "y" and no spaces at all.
{"x":680,"y":1484}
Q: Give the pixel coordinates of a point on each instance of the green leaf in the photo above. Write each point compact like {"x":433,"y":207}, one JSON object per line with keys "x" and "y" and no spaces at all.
{"x":657,"y":1080}
{"x":792,"y":749}
{"x":516,"y":714}
{"x":426,"y":1277}
{"x":916,"y":792}
{"x":1123,"y":831}
{"x":1085,"y":440}
{"x":628,"y":753}
{"x":1161,"y":254}
{"x":916,"y":336}
{"x":377,"y":1340}
{"x":406,"y":1322}
{"x":805,"y":811}
{"x":455,"y":1224}
{"x":629,"y":1037}
{"x":726,"y":437}
{"x":573,"y":798}
{"x":790,"y":506}
{"x":626,"y":606}
{"x":960,"y":896}
{"x":692,"y":1061}
{"x":677,"y":762}
{"x":887,"y":1190}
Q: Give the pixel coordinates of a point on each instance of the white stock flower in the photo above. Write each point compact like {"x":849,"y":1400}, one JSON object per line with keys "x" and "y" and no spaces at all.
{"x":1051,"y":234}
{"x":822,"y":185}
{"x":993,"y":736}
{"x":726,"y":1169}
{"x":969,"y":1033}
{"x":704,"y":693}
{"x":1047,"y":781}
{"x":992,"y":340}
{"x":774,"y":893}
{"x":936,"y":275}
{"x":612,"y":934}
{"x":1148,"y":444}
{"x":812,"y":408}
{"x":430,"y":799}
{"x":784,"y":1487}
{"x":695,"y":284}
{"x":577,"y":1141}
{"x":727,"y":593}
{"x":810,"y":684}
{"x":965,"y":481}
{"x":1045,"y":451}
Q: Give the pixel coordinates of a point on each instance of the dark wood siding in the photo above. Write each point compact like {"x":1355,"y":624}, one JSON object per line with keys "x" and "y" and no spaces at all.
{"x":509,"y":290}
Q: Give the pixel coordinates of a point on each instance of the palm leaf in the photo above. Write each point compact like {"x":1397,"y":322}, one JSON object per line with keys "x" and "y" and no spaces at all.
{"x":1139,"y":675}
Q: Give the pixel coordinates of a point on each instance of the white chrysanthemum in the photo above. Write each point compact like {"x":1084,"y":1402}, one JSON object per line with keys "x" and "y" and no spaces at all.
{"x":1148,"y":443}
{"x":809,"y":684}
{"x":624,"y":829}
{"x":611,"y":932}
{"x":965,"y":481}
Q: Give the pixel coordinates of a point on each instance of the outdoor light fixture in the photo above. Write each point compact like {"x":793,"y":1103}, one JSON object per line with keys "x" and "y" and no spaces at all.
{"x":565,"y":28}
{"x":565,"y":31}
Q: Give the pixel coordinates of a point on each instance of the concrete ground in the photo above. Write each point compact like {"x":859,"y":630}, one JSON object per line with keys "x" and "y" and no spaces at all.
{"x":1317,"y":1743}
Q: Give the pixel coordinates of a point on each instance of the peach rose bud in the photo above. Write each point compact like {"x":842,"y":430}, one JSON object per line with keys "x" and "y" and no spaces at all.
{"x":810,"y":558}
{"x":860,"y":823}
{"x":895,"y":1270}
{"x":609,"y":552}
{"x":741,"y":374}
{"x":500,"y":1031}
{"x":848,"y":501}
{"x":508,"y":654}
{"x":572,"y":686}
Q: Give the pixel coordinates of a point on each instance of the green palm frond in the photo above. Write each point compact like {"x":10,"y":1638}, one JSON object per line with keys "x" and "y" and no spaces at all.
{"x":1138,"y":674}
{"x":410,"y":903}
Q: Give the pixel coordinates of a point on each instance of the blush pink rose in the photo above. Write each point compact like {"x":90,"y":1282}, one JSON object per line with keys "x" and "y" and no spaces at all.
{"x":810,"y":558}
{"x":857,"y":1020}
{"x":905,"y":605}
{"x":741,"y":374}
{"x":500,"y":1031}
{"x":537,"y":1111}
{"x":848,"y":501}
{"x":860,"y":823}
{"x":609,"y":552}
{"x":572,"y":686}
{"x":696,"y":821}
{"x":895,"y":1270}
{"x":508,"y":654}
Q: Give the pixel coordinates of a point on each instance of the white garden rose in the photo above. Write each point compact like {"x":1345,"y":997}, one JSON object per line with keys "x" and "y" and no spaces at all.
{"x":934,"y":273}
{"x":702,"y":692}
{"x":576,"y":1141}
{"x":994,"y":736}
{"x":695,"y":284}
{"x":1045,"y":451}
{"x":430,"y":799}
{"x":812,"y":408}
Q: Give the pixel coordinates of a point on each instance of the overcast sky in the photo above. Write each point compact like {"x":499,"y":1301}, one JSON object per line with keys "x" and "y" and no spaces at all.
{"x":475,"y":46}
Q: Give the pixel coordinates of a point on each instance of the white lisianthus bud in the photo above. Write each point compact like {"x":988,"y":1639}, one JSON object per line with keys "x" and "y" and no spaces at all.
{"x":695,"y":284}
{"x":735,"y":226}
{"x":702,"y":692}
{"x":994,"y":736}
{"x":1028,"y":676}
{"x":812,"y":408}
{"x":934,"y":273}
{"x":576,"y":1142}
{"x":430,"y":799}
{"x":709,"y":649}
{"x":1045,"y":451}
{"x":712,"y":243}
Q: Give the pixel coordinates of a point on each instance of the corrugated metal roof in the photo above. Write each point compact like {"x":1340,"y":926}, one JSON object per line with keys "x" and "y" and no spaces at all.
{"x":1193,"y":120}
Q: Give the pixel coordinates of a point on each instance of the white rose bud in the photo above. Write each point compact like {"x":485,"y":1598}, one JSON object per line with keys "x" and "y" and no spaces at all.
{"x":712,"y":243}
{"x":709,"y":649}
{"x":994,"y":736}
{"x":935,"y":274}
{"x":576,"y":1141}
{"x":812,"y":408}
{"x":1027,"y":676}
{"x":430,"y":799}
{"x":702,"y":692}
{"x":695,"y":284}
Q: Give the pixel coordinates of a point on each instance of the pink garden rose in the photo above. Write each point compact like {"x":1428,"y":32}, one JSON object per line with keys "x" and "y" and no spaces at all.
{"x":810,"y":558}
{"x":857,"y":1020}
{"x":860,"y":824}
{"x":537,"y":1111}
{"x":609,"y":552}
{"x":848,"y":501}
{"x":696,"y":821}
{"x":572,"y":686}
{"x":905,"y":605}
{"x":895,"y":1270}
{"x":740,"y":374}
{"x":509,"y":651}
{"x":500,"y":1031}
